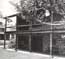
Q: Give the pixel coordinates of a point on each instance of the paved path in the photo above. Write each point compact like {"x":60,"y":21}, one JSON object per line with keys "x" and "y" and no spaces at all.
{"x":6,"y":54}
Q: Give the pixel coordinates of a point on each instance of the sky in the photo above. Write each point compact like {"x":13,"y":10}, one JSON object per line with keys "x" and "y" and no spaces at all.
{"x":6,"y":8}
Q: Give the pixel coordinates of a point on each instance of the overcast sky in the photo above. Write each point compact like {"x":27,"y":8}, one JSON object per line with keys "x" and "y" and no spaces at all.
{"x":6,"y":8}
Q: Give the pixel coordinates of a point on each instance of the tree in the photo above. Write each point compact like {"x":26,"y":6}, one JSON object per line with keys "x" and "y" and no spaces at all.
{"x":41,"y":10}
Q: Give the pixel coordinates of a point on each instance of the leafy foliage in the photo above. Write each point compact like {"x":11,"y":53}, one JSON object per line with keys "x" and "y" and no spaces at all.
{"x":41,"y":10}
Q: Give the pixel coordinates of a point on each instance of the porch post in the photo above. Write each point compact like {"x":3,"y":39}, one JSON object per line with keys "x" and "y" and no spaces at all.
{"x":5,"y":33}
{"x":51,"y":35}
{"x":16,"y":36}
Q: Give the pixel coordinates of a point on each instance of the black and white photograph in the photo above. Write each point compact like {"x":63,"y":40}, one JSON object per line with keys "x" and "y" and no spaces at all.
{"x":32,"y":29}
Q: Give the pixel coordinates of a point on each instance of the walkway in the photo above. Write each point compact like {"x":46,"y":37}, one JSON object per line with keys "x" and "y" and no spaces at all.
{"x":9,"y":54}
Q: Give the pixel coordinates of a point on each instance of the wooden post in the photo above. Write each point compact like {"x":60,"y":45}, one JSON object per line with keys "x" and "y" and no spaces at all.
{"x":51,"y":35}
{"x":30,"y":28}
{"x":16,"y":36}
{"x":5,"y":33}
{"x":16,"y":41}
{"x":30,"y":42}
